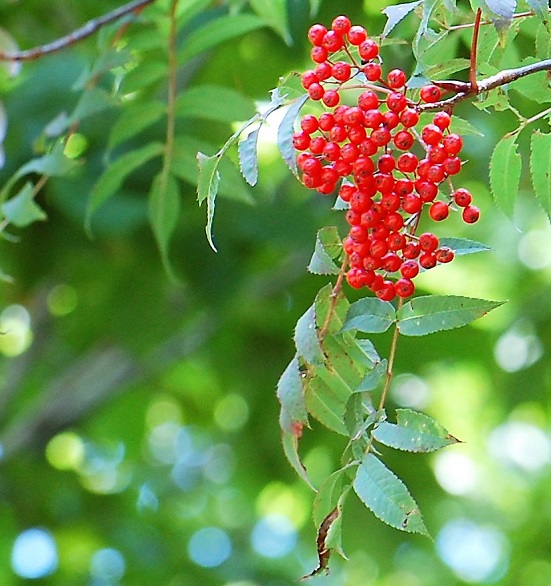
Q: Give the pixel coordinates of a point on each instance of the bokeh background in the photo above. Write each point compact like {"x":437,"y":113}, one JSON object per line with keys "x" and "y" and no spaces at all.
{"x":139,"y":438}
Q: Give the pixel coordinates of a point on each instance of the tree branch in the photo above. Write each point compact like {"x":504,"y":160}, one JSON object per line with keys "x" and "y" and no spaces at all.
{"x":77,"y":35}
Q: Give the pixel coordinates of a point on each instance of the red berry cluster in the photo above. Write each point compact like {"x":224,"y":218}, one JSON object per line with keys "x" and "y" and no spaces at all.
{"x":366,"y":149}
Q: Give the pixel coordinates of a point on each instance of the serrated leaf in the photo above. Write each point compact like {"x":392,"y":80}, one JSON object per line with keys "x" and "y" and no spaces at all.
{"x":114,"y":175}
{"x":248,"y":157}
{"x":540,"y":168}
{"x":133,"y":120}
{"x":293,"y":415}
{"x":435,"y":313}
{"x":145,"y":74}
{"x":370,"y":315}
{"x":463,"y":246}
{"x":387,"y":497}
{"x":328,"y":247}
{"x":543,"y":39}
{"x":285,"y":133}
{"x":218,"y":31}
{"x":207,"y":188}
{"x":328,"y":495}
{"x":21,"y":210}
{"x":214,"y":102}
{"x":535,"y":87}
{"x":505,"y":9}
{"x":540,"y":7}
{"x":372,"y":378}
{"x":413,"y":432}
{"x":325,"y":302}
{"x":505,"y":170}
{"x":464,"y":127}
{"x":164,"y":211}
{"x":306,"y":338}
{"x":395,"y":14}
{"x":290,"y":449}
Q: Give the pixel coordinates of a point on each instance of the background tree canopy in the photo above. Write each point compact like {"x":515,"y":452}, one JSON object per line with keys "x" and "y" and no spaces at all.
{"x":138,"y":418}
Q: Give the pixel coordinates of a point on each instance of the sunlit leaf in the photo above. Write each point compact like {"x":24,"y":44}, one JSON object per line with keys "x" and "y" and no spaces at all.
{"x":387,"y":497}
{"x":434,"y":313}
{"x":306,"y":338}
{"x":21,"y":210}
{"x":540,"y":168}
{"x":395,"y":14}
{"x":413,"y":432}
{"x":52,"y":164}
{"x":505,"y":170}
{"x":370,"y":315}
{"x":463,"y":246}
{"x":207,"y":188}
{"x":373,"y":377}
{"x":285,"y":133}
{"x":133,"y":119}
{"x":540,"y":7}
{"x":505,"y":9}
{"x":248,"y":157}
{"x":536,"y":86}
{"x":293,"y":416}
{"x":330,"y":307}
{"x":214,"y":102}
{"x":328,"y":247}
{"x":290,"y":448}
{"x":145,"y":74}
{"x":464,"y":127}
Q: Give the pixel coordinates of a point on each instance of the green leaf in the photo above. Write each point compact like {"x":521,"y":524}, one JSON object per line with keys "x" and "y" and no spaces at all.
{"x":505,"y":169}
{"x":543,"y":39}
{"x":328,"y":247}
{"x":207,"y":188}
{"x":91,"y":102}
{"x":325,"y":302}
{"x":413,"y":432}
{"x":386,"y":496}
{"x":505,"y":9}
{"x":434,"y":313}
{"x":464,"y":127}
{"x":218,"y":31}
{"x":134,"y":119}
{"x":463,"y":246}
{"x":214,"y":102}
{"x":395,"y":14}
{"x":370,"y":315}
{"x":535,"y":87}
{"x":164,"y":212}
{"x":372,"y":378}
{"x":285,"y":133}
{"x":540,"y":7}
{"x":540,"y":168}
{"x":145,"y":74}
{"x":248,"y":157}
{"x":290,"y":448}
{"x":114,"y":175}
{"x":306,"y":338}
{"x":52,"y":164}
{"x":329,"y":494}
{"x":274,"y":14}
{"x":293,"y":416}
{"x":21,"y":210}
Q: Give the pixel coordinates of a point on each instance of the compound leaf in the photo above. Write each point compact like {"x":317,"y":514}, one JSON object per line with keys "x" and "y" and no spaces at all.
{"x":248,"y":157}
{"x":293,"y":415}
{"x":285,"y":133}
{"x":395,"y":14}
{"x":370,"y":315}
{"x":306,"y":337}
{"x":540,"y":168}
{"x":463,"y":246}
{"x":134,"y":119}
{"x":387,"y":497}
{"x":505,"y":169}
{"x":328,"y":247}
{"x":434,"y":313}
{"x":413,"y":432}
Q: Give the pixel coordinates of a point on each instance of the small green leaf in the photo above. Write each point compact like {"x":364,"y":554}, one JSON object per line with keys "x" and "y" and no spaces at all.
{"x":114,"y":175}
{"x":387,"y":497}
{"x":21,"y":210}
{"x":207,"y":188}
{"x":145,"y":74}
{"x":535,"y":87}
{"x":328,"y":247}
{"x":464,"y":127}
{"x":293,"y":415}
{"x":326,"y":401}
{"x":540,"y":168}
{"x":164,"y":211}
{"x":543,"y":39}
{"x":540,"y":7}
{"x":285,"y":133}
{"x":463,"y":246}
{"x":91,"y":102}
{"x":505,"y":9}
{"x":395,"y":14}
{"x":434,"y":313}
{"x":248,"y":157}
{"x":214,"y":102}
{"x":413,"y":432}
{"x":505,"y":169}
{"x":370,"y":315}
{"x":372,"y":378}
{"x":290,"y":448}
{"x":306,"y":338}
{"x":134,"y":119}
{"x":52,"y":164}
{"x":325,"y":302}
{"x":329,"y":494}
{"x":218,"y":31}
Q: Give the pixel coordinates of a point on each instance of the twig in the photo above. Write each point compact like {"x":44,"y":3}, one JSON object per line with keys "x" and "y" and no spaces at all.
{"x":457,"y":27}
{"x":77,"y":35}
{"x":474,"y":49}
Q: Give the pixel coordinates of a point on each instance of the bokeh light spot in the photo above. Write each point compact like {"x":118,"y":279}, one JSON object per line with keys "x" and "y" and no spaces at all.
{"x":518,"y":348}
{"x":15,"y":330}
{"x":108,"y":565}
{"x":231,"y":412}
{"x":534,"y":249}
{"x":62,"y":300}
{"x":274,"y":536}
{"x":209,"y":547}
{"x":65,"y":451}
{"x":522,"y":444}
{"x":34,"y":554}
{"x":456,"y":473}
{"x":409,"y":390}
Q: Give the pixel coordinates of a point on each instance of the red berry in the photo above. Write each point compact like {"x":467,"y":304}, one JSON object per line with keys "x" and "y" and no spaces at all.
{"x":427,"y":260}
{"x":315,"y":91}
{"x":430,"y":93}
{"x":339,"y":113}
{"x":363,"y":166}
{"x":372,"y":71}
{"x":317,"y":145}
{"x":390,"y":119}
{"x":353,"y":116}
{"x":357,"y":134}
{"x":368,"y":147}
{"x":437,"y":154}
{"x":436,"y":173}
{"x":341,"y":71}
{"x":330,"y":98}
{"x":409,"y":117}
{"x":409,"y":269}
{"x":356,"y":278}
{"x":332,"y":151}
{"x":391,"y":262}
{"x":319,"y":54}
{"x":368,"y":100}
{"x":412,"y":204}
{"x":462,"y":197}
{"x":444,"y":254}
{"x":346,"y":190}
{"x":323,"y":71}
{"x":332,"y":41}
{"x":396,"y":101}
{"x":380,"y":136}
{"x":312,"y":166}
{"x":396,"y":241}
{"x":349,"y":152}
{"x":316,"y":33}
{"x":396,"y":79}
{"x":404,"y":288}
{"x":356,"y":35}
{"x":301,"y":141}
{"x":431,"y":134}
{"x":427,"y":191}
{"x":341,"y":24}
{"x":411,"y":251}
{"x":428,"y":242}
{"x":373,"y":118}
{"x":470,"y":214}
{"x":387,"y":292}
{"x":407,"y":163}
{"x":308,"y":78}
{"x":442,"y":120}
{"x":394,"y":221}
{"x":402,"y":187}
{"x":453,"y":143}
{"x":452,"y":165}
{"x":368,"y":50}
{"x":403,"y":140}
{"x":326,"y":121}
{"x":309,"y":123}
{"x":439,"y":211}
{"x":337,"y":133}
{"x":386,"y":163}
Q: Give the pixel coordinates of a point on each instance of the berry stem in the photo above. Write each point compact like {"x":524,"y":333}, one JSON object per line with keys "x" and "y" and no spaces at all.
{"x":474,"y":50}
{"x":334,"y":296}
{"x":391,"y":358}
{"x":457,"y":27}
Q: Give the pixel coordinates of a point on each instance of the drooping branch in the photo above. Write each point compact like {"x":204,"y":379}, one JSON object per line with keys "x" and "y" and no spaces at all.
{"x":86,"y":30}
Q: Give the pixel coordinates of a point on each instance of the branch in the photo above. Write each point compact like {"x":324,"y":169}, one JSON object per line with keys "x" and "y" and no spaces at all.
{"x":77,"y":35}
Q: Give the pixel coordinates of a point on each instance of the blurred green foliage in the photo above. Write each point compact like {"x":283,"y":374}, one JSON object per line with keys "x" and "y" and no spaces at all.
{"x":138,"y":419}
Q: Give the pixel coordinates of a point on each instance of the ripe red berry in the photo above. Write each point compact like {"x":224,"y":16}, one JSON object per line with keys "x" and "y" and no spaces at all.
{"x":346,"y":190}
{"x":341,"y":71}
{"x":407,"y":162}
{"x":427,"y":190}
{"x":372,"y":71}
{"x":368,"y":50}
{"x":394,"y":221}
{"x":431,"y":134}
{"x":301,"y":141}
{"x":387,"y":292}
{"x":326,"y":121}
{"x":412,"y":204}
{"x":308,"y":78}
{"x":323,"y":71}
{"x":442,"y":120}
{"x":317,"y":144}
{"x":355,"y":277}
{"x":427,"y":260}
{"x":356,"y":134}
{"x":396,"y":101}
{"x":391,"y":119}
{"x":404,"y":288}
{"x":409,"y":117}
{"x":386,"y":163}
{"x":380,"y":136}
{"x":309,"y":123}
{"x":373,"y":118}
{"x":330,"y":98}
{"x":391,"y":262}
{"x":396,"y":79}
{"x":471,"y":214}
{"x":439,"y":211}
{"x":356,"y":35}
{"x":319,"y":55}
{"x":409,"y":269}
{"x":430,"y":93}
{"x":402,"y":187}
{"x":436,"y":173}
{"x":341,"y":24}
{"x":444,"y":254}
{"x":452,"y":165}
{"x":353,"y":116}
{"x":349,"y":152}
{"x":315,"y":91}
{"x":316,"y":33}
{"x":403,"y":140}
{"x":428,"y":242}
{"x":368,"y":100}
{"x":453,"y":143}
{"x":462,"y":197}
{"x":396,"y":241}
{"x":332,"y":41}
{"x":411,"y":251}
{"x":332,"y":151}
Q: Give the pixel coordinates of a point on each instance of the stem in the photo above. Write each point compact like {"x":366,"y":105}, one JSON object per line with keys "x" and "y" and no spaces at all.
{"x":77,"y":35}
{"x":391,"y":357}
{"x":334,"y":296}
{"x":474,"y":49}
{"x":457,"y":27}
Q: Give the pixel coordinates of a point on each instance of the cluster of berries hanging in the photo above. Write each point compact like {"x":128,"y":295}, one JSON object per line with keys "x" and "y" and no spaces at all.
{"x":369,"y":148}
